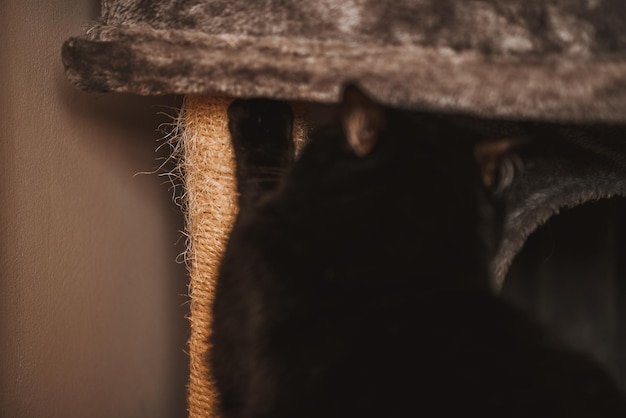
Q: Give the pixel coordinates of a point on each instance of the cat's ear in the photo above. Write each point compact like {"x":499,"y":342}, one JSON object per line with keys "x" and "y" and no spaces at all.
{"x":498,"y":161}
{"x":362,"y":120}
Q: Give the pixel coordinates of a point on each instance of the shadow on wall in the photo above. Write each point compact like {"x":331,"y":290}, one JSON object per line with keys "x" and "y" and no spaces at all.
{"x":138,"y":117}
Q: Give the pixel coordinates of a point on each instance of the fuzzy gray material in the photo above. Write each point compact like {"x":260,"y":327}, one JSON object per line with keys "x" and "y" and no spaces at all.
{"x":522,"y":59}
{"x":564,"y":167}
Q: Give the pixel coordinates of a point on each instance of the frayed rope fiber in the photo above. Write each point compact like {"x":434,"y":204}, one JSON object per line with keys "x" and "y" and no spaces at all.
{"x":208,"y":164}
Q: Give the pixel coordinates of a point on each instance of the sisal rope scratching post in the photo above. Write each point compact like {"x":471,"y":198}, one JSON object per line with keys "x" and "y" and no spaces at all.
{"x":211,"y":203}
{"x":211,"y":206}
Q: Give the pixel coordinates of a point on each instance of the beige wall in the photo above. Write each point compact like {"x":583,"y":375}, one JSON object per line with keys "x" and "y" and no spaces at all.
{"x":91,"y":299}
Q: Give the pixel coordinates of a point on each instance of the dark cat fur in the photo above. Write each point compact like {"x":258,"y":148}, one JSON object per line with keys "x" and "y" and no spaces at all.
{"x":359,"y":286}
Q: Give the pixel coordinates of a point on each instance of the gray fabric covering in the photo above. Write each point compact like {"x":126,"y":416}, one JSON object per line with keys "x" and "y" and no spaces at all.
{"x":522,"y":59}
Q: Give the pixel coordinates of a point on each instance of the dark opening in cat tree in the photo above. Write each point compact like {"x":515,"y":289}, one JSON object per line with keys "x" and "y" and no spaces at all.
{"x":571,"y":275}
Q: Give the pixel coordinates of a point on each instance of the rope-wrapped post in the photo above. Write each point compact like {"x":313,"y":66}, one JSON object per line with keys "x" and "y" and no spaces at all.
{"x":208,"y":165}
{"x":211,"y":204}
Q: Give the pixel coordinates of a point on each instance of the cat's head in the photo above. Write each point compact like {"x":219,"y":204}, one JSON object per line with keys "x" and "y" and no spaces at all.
{"x":399,"y":191}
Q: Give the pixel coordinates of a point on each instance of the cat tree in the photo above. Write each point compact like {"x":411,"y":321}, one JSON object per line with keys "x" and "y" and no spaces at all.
{"x":516,"y":59}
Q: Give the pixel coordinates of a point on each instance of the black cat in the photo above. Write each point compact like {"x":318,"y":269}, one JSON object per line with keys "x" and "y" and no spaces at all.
{"x":356,"y":281}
